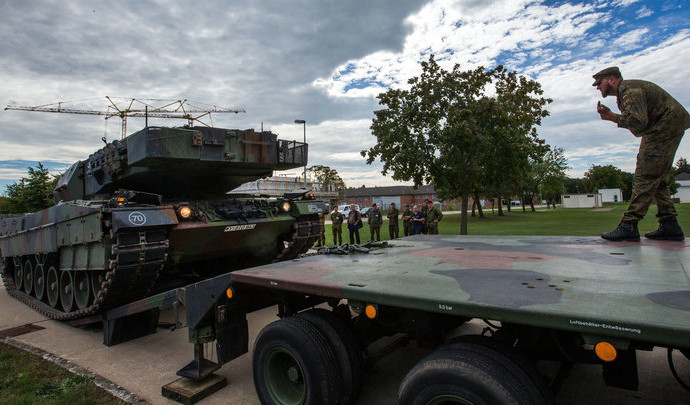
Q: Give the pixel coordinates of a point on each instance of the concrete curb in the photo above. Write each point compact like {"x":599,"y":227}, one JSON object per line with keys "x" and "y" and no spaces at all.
{"x":103,"y":383}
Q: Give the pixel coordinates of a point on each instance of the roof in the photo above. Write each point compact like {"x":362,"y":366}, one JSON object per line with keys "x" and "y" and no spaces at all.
{"x":389,"y":191}
{"x":683,"y":176}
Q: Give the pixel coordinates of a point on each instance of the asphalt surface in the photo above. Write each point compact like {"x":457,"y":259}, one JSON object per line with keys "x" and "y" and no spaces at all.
{"x":143,"y":366}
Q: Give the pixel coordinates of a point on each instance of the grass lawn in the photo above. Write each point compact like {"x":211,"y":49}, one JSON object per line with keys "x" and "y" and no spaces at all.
{"x":559,"y":221}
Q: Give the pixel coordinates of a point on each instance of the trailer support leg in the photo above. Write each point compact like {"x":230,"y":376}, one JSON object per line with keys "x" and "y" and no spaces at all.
{"x":200,"y":367}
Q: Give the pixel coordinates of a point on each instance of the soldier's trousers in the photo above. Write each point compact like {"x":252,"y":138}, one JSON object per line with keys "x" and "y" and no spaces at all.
{"x":407,"y":230}
{"x":650,"y":181}
{"x":432,"y":228}
{"x":375,"y":230}
{"x":393,"y":232}
{"x":337,"y":236}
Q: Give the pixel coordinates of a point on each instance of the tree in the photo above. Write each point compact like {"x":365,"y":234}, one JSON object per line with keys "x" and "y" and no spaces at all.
{"x":329,"y":178}
{"x":31,"y":193}
{"x":682,"y":166}
{"x":546,"y":176}
{"x":574,"y":185}
{"x":450,"y":126}
{"x":604,"y":177}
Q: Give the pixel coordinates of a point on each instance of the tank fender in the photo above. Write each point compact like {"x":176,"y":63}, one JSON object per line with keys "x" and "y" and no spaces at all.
{"x":306,"y":207}
{"x":140,"y":217}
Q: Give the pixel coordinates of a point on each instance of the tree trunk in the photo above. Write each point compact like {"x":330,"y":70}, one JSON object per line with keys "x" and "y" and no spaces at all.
{"x":463,"y":215}
{"x":474,"y":204}
{"x":500,"y":206}
{"x":531,"y":204}
{"x":479,"y":206}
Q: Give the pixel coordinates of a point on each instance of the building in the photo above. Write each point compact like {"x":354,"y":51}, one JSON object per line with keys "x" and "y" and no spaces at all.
{"x":614,"y":195}
{"x":592,"y":200}
{"x":400,"y":195}
{"x":683,"y":194}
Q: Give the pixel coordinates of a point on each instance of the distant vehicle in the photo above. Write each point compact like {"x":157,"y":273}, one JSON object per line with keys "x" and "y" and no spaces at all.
{"x":345,"y":209}
{"x":365,"y":211}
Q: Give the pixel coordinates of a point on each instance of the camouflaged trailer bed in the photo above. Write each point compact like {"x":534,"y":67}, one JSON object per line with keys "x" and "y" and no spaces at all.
{"x":638,"y":291}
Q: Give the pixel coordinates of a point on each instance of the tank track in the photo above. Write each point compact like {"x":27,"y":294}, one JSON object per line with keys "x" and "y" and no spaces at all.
{"x":305,"y":232}
{"x":136,"y":261}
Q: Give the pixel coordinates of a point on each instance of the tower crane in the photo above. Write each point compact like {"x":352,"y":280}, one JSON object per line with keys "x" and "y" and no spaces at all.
{"x":177,"y":109}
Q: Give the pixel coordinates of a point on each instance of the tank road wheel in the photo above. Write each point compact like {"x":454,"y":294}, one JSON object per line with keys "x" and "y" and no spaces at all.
{"x":39,"y":281}
{"x":53,"y":286}
{"x":294,"y":364}
{"x":82,"y":289}
{"x":18,"y":275}
{"x":28,"y":270}
{"x":66,"y":290}
{"x":468,"y":374}
{"x":97,"y":278}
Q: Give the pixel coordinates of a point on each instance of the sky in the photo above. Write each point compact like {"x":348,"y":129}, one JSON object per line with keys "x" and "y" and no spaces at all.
{"x":322,"y":61}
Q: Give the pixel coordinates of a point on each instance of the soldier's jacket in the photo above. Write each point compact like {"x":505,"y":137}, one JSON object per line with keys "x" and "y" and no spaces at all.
{"x":337,"y":219}
{"x":393,"y":216}
{"x":649,"y":111}
{"x":407,"y":214}
{"x":434,"y":214}
{"x":375,"y":218}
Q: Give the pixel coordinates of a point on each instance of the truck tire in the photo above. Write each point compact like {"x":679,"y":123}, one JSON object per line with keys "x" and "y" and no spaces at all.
{"x":294,"y":364}
{"x":347,"y":350}
{"x":467,"y":373}
{"x":536,"y":383}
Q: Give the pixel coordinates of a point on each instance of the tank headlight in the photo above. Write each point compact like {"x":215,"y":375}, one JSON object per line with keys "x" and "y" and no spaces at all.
{"x":286,"y":206}
{"x":185,"y":212}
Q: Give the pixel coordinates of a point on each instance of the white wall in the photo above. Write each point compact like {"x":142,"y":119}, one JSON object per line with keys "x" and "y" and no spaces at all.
{"x":581,"y":200}
{"x":611,"y":194}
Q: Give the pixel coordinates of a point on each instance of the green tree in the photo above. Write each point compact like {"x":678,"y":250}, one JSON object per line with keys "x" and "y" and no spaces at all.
{"x":607,"y":176}
{"x":574,"y":185}
{"x":31,"y":193}
{"x":450,"y":126}
{"x":682,"y":166}
{"x":329,"y":178}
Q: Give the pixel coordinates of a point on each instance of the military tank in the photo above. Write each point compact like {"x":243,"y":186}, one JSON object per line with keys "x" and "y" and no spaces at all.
{"x":152,"y":212}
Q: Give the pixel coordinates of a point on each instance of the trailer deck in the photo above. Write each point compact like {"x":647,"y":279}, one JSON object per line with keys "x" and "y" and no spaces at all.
{"x":628,"y":290}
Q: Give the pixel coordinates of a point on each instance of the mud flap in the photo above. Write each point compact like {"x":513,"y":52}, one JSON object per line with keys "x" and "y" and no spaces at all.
{"x":232,"y":334}
{"x":622,"y":372}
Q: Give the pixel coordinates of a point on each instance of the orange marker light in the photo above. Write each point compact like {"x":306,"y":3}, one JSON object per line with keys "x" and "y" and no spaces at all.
{"x":605,"y":351}
{"x":371,"y":311}
{"x":185,"y":212}
{"x":229,"y":293}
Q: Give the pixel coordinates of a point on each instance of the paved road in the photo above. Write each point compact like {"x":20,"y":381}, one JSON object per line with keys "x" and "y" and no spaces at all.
{"x":143,"y":366}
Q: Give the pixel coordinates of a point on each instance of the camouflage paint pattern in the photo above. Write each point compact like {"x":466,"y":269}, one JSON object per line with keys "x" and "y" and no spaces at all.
{"x":637,"y":291}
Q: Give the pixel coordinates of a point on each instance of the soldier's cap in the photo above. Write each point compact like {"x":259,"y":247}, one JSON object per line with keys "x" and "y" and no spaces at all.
{"x":609,"y":71}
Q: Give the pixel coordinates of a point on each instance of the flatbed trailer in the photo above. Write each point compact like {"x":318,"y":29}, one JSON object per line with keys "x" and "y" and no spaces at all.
{"x":568,"y":299}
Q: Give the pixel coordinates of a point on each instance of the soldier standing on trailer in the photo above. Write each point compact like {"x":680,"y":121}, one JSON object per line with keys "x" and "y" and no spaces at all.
{"x":393,"y":215}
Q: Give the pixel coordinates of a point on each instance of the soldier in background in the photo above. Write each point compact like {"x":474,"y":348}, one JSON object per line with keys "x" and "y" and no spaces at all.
{"x":651,"y":113}
{"x":424,"y":210}
{"x":322,"y":232}
{"x":407,"y":223}
{"x":393,"y":215}
{"x":337,"y":219}
{"x":433,"y":215}
{"x":375,"y":221}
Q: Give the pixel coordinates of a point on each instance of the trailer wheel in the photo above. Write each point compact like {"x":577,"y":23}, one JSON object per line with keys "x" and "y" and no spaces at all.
{"x":535,"y":383}
{"x":345,"y":346}
{"x":294,"y":364}
{"x":467,"y":374}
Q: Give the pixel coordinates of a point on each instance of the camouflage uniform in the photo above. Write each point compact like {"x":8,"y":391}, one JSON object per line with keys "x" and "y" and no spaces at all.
{"x":393,"y":215}
{"x":407,"y":223}
{"x":337,"y":219}
{"x":433,"y":214}
{"x":652,"y":114}
{"x":424,"y":210}
{"x":375,"y":221}
{"x":322,"y":232}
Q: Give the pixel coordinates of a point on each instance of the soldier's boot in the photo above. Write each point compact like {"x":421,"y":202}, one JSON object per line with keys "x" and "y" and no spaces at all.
{"x":626,"y":231}
{"x":668,"y":230}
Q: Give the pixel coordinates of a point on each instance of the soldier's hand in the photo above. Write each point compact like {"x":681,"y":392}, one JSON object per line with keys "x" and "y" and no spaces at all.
{"x":605,"y":112}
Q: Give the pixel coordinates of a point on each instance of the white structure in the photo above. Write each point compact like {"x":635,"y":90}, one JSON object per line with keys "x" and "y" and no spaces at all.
{"x":581,"y":200}
{"x":614,"y":195}
{"x":683,"y":193}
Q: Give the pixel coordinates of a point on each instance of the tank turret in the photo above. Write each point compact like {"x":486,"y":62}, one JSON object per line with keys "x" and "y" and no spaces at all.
{"x":180,"y":163}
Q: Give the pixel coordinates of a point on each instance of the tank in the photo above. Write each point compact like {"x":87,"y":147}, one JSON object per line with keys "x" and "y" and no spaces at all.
{"x":152,"y":212}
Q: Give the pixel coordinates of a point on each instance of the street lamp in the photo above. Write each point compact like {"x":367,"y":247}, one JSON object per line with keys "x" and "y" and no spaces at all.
{"x":304,"y":124}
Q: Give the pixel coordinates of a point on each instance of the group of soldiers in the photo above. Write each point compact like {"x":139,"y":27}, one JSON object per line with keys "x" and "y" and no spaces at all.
{"x":415,"y":220}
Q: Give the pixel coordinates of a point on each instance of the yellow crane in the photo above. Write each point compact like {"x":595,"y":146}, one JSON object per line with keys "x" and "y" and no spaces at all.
{"x":177,"y":109}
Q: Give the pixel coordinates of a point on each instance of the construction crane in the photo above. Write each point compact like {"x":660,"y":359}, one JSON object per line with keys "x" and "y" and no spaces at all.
{"x":177,"y":109}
